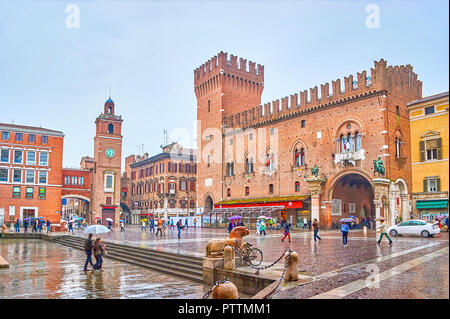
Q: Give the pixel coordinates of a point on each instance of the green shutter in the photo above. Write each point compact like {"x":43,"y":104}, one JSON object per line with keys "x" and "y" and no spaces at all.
{"x":438,"y":184}
{"x":425,"y":186}
{"x":422,"y":151}
{"x":439,"y":148}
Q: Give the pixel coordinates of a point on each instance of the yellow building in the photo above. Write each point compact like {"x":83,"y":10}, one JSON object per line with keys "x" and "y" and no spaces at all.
{"x":429,"y":155}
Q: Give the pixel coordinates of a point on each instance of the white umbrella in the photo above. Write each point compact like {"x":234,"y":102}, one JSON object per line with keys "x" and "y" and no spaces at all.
{"x":96,"y":229}
{"x":109,"y":219}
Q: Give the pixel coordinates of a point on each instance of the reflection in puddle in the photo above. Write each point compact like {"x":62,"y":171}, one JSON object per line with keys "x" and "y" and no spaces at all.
{"x":41,"y":269}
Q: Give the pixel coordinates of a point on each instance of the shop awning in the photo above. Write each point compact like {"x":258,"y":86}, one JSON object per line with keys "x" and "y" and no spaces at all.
{"x":432,"y":204}
{"x":261,"y":210}
{"x":295,"y":201}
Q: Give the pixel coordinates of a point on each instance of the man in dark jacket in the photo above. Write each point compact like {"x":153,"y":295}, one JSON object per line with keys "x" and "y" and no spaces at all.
{"x":88,"y":245}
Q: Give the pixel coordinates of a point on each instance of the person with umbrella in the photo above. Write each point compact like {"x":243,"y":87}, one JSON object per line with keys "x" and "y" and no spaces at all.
{"x":122,"y":225}
{"x":97,"y":247}
{"x":383,"y":232}
{"x":344,"y":230}
{"x":231,"y":225}
{"x":99,"y":251}
{"x":240,"y":223}
{"x":109,"y":220}
{"x":179,"y":227}
{"x":34,"y":228}
{"x":25,"y":225}
{"x":143,"y":227}
{"x":159,"y":227}
{"x":262,"y":227}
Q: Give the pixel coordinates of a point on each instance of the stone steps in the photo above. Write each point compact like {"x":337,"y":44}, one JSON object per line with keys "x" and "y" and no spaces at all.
{"x":174,"y":264}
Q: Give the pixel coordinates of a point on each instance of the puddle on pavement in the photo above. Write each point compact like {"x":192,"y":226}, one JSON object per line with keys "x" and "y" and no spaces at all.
{"x":41,"y":269}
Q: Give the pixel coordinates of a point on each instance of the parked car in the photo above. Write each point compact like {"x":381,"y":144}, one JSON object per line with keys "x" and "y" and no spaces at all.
{"x":414,"y":228}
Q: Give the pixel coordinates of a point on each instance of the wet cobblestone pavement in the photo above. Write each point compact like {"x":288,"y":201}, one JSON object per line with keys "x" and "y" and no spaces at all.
{"x":327,"y":265}
{"x":41,"y":269}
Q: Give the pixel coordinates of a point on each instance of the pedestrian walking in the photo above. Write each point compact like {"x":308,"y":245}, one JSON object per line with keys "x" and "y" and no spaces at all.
{"x":122,"y":226}
{"x":195,"y":223}
{"x":287,"y":233}
{"x":315,"y":226}
{"x":71,"y":227}
{"x":383,"y":231}
{"x":172,"y":226}
{"x":99,"y":251}
{"x":109,"y":225}
{"x":231,"y":226}
{"x":186,"y":224}
{"x":143,"y":227}
{"x":17,"y":225}
{"x":34,"y":228}
{"x":88,"y":245}
{"x":159,"y":227}
{"x":309,"y":223}
{"x":305,"y":223}
{"x":48,"y":225}
{"x":152,"y":225}
{"x":179,"y":227}
{"x":258,"y":223}
{"x":262,"y":227}
{"x":25,"y":225}
{"x":344,"y":231}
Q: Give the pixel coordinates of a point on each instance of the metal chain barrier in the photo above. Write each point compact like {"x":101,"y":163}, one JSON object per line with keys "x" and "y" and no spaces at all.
{"x":210,"y":291}
{"x":272,"y":292}
{"x":272,"y":264}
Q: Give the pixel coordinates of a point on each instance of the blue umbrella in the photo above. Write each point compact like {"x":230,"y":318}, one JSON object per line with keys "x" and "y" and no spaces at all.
{"x":346,"y":220}
{"x":122,"y":220}
{"x":352,"y":217}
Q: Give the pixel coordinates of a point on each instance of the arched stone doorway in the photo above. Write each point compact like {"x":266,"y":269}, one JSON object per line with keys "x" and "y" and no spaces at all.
{"x":125,"y":213}
{"x":209,"y":204}
{"x":352,"y":195}
{"x":74,"y":204}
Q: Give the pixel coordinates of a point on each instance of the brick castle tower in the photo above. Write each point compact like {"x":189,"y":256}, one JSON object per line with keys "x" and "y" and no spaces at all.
{"x":107,"y":165}
{"x":223,"y":87}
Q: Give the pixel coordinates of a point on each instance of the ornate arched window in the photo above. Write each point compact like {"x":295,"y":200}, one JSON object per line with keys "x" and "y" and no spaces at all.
{"x":110,"y":128}
{"x":249,"y":164}
{"x":358,"y":142}
{"x":299,"y":156}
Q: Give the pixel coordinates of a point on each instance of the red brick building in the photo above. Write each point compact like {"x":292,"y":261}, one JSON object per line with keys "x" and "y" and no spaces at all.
{"x":252,"y":154}
{"x":30,"y":172}
{"x":161,"y":185}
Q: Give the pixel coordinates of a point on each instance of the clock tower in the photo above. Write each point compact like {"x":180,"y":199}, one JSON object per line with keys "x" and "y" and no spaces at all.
{"x":107,"y":166}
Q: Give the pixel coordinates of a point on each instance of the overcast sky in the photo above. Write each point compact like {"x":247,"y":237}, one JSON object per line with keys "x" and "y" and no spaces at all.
{"x":59,"y":77}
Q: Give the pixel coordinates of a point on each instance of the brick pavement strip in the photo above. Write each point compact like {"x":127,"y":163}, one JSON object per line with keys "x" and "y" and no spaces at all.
{"x":355,"y":286}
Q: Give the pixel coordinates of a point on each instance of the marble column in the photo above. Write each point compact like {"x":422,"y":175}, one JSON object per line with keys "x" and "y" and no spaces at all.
{"x":406,"y":214}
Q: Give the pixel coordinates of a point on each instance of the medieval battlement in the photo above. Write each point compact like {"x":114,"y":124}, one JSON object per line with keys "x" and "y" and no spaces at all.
{"x":382,"y":78}
{"x":220,"y":65}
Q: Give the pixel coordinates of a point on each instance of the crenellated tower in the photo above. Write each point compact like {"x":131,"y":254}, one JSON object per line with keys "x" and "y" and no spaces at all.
{"x":223,"y":86}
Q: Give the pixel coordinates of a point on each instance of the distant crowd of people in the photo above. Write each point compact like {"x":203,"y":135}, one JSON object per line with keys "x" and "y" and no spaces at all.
{"x":163,"y":224}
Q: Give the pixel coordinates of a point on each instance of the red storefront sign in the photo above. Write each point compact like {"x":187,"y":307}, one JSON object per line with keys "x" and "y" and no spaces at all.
{"x":291,"y":204}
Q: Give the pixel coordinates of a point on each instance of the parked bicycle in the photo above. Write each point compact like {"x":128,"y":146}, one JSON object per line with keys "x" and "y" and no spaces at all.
{"x":251,"y":256}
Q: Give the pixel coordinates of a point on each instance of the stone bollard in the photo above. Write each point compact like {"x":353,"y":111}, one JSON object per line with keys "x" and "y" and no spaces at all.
{"x":291,"y":273}
{"x":227,"y":290}
{"x":228,"y":258}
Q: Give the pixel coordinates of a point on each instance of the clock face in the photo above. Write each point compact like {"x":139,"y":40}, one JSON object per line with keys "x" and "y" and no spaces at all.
{"x":110,"y":152}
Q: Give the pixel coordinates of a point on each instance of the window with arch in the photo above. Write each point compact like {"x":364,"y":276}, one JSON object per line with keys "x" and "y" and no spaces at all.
{"x":249,"y":165}
{"x":270,"y":188}
{"x":247,"y":190}
{"x":109,"y":182}
{"x":397,"y":141}
{"x":270,"y":160}
{"x":110,"y":128}
{"x":299,"y":156}
{"x":297,"y":186}
{"x":110,"y":109}
{"x":303,"y":123}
